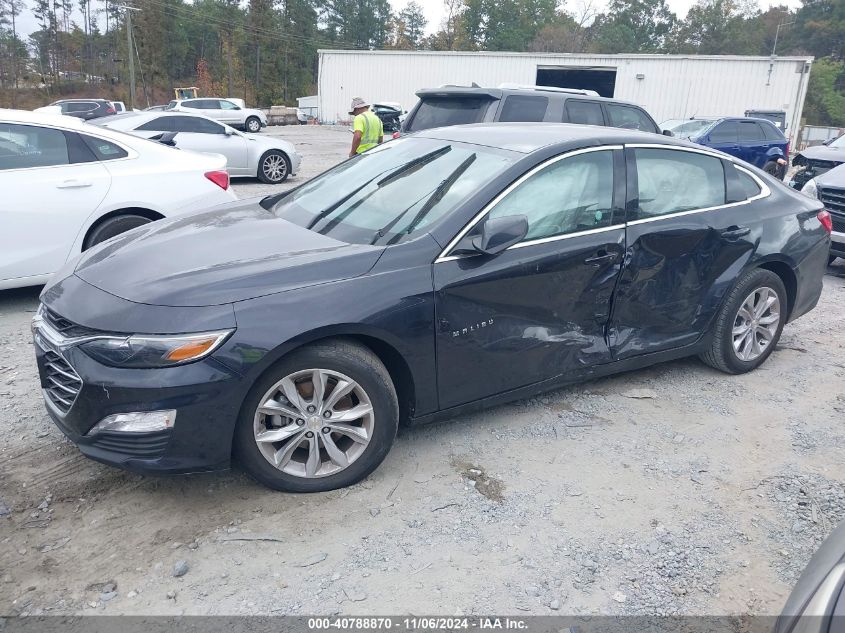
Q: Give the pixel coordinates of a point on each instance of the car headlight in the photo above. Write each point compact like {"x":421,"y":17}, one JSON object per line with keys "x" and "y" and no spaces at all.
{"x":148,"y":351}
{"x":810,"y":189}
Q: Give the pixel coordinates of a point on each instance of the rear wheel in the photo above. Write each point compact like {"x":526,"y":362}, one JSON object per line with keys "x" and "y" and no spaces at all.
{"x":273,"y":167}
{"x":772,"y":168}
{"x":322,"y":418}
{"x":253,"y":124}
{"x":113,"y":226}
{"x":749,"y":324}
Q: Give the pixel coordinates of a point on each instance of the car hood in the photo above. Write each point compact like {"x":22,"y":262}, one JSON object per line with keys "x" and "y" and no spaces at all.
{"x":832,"y":178}
{"x":823,"y":152}
{"x":236,"y":252}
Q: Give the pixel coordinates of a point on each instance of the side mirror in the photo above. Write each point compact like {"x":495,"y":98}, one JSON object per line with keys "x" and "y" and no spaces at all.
{"x":228,"y":131}
{"x":497,"y":235}
{"x":668,"y":133}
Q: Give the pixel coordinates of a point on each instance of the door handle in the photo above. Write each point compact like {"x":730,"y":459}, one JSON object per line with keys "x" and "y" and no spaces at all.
{"x":600,"y":258}
{"x":734,"y":232}
{"x":74,"y":184}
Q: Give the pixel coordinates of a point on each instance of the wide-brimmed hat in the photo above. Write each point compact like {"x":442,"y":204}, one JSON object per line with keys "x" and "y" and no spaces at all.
{"x":357,"y":102}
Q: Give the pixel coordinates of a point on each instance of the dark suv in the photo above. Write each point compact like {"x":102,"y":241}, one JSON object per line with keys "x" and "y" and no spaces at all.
{"x":85,"y":108}
{"x":457,"y":105}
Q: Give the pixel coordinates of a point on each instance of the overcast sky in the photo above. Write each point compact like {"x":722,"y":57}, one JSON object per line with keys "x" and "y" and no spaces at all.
{"x":434,"y":10}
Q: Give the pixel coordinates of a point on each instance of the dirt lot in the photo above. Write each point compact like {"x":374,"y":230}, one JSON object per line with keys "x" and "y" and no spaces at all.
{"x":671,"y":490}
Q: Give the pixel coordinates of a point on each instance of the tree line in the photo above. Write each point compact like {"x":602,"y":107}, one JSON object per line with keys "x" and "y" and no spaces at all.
{"x":266,"y":50}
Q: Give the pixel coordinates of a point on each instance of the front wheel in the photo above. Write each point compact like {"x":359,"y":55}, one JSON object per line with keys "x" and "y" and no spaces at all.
{"x":253,"y":124}
{"x":749,"y":323}
{"x":273,"y":167}
{"x":322,"y":418}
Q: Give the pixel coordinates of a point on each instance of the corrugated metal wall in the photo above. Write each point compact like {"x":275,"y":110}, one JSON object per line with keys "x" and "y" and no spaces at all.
{"x":671,"y":87}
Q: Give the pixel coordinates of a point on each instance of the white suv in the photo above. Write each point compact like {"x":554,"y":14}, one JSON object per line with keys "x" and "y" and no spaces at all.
{"x":223,"y":110}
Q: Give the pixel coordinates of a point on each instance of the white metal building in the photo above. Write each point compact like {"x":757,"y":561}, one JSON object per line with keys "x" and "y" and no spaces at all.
{"x":668,"y":86}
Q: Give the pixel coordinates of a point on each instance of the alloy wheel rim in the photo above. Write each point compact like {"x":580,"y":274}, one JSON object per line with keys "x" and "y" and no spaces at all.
{"x":314,"y":423}
{"x":254,"y":126}
{"x":756,"y":324}
{"x":274,"y":167}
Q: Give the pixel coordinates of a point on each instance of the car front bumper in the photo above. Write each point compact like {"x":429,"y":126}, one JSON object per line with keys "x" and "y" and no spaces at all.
{"x":79,"y":391}
{"x":200,"y":393}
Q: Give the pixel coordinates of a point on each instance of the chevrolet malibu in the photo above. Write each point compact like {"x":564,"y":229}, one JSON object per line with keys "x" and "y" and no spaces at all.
{"x":441,"y":273}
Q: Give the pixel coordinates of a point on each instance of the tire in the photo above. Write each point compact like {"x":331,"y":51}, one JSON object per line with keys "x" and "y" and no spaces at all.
{"x":773,"y":169}
{"x":273,"y":167}
{"x":252,"y":125}
{"x":113,"y":226}
{"x":722,"y":354}
{"x":336,"y":360}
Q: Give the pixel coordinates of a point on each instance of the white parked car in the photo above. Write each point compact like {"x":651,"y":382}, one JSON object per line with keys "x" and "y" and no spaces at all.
{"x":68,"y":185}
{"x":222,"y":110}
{"x":119,"y":106}
{"x":251,"y":155}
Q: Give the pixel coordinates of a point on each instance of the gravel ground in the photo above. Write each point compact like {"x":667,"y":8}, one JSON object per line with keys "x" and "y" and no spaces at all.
{"x":674,"y":489}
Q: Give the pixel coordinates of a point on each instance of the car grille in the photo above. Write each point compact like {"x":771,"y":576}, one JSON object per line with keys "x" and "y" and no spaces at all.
{"x":64,"y":326}
{"x":146,"y":445}
{"x":833,"y":198}
{"x":61,"y":382}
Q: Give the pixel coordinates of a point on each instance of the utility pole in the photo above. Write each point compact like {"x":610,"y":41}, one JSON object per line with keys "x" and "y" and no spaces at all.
{"x":777,"y":33}
{"x":130,"y":49}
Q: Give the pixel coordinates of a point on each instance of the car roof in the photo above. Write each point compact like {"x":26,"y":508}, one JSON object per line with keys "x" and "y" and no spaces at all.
{"x":95,"y":99}
{"x":530,"y":137}
{"x":25,"y":116}
{"x":498,"y":93}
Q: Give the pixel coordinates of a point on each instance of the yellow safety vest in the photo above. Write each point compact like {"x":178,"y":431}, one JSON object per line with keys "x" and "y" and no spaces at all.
{"x":370,"y":127}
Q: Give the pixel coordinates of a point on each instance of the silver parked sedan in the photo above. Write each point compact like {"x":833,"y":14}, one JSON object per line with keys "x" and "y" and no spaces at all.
{"x":270,"y":159}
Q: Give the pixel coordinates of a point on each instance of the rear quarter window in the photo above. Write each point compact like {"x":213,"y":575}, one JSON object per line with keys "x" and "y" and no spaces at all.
{"x":103,"y":149}
{"x":441,"y":112}
{"x":524,"y":108}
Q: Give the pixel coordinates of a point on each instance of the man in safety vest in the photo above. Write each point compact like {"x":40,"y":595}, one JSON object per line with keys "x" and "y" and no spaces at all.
{"x":367,"y":130}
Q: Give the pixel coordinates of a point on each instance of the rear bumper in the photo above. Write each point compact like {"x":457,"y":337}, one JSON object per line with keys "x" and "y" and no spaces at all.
{"x":810,"y":279}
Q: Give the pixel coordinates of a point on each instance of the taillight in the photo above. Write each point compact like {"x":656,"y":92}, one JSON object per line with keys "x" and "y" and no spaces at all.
{"x":396,"y":135}
{"x":826,"y":220}
{"x":219,"y":178}
{"x":110,"y":110}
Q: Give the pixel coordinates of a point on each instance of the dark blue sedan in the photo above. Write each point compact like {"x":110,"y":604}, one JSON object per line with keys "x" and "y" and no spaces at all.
{"x":756,"y":141}
{"x":443,"y":272}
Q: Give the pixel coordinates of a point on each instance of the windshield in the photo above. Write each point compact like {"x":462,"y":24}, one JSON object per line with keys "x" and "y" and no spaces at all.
{"x":392,"y":192}
{"x":685,"y":129}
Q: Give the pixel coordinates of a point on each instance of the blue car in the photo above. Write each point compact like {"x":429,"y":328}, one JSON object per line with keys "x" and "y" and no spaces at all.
{"x":756,"y":141}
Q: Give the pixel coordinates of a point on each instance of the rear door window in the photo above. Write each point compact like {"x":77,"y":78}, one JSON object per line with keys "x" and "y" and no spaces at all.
{"x":629,"y":118}
{"x":197,"y":125}
{"x":24,"y":146}
{"x":158,"y":124}
{"x":727,"y":132}
{"x":444,"y":111}
{"x":524,"y":108}
{"x":750,"y":131}
{"x":584,"y":112}
{"x":81,"y":106}
{"x":674,"y":181}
